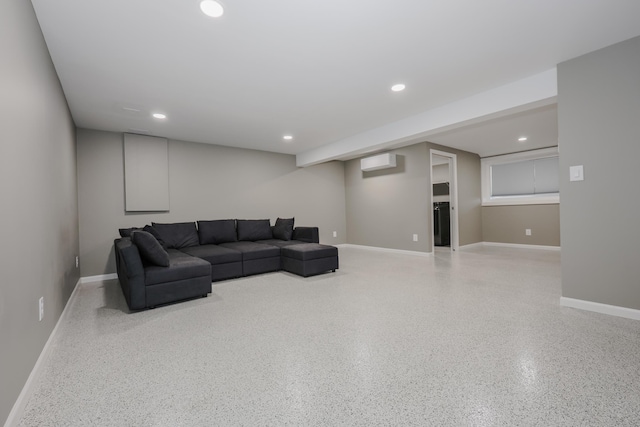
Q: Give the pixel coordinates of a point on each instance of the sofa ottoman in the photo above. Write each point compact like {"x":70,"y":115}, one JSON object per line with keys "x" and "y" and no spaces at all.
{"x":308,"y":259}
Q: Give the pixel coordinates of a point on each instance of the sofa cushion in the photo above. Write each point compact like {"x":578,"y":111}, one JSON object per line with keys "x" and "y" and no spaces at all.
{"x":178,"y":235}
{"x":283,"y":229}
{"x":181,"y":267}
{"x":254,"y":229}
{"x":252,"y":250}
{"x":306,"y":234}
{"x":280,"y":243}
{"x":216,"y":232}
{"x":150,"y":249}
{"x":214,"y":254}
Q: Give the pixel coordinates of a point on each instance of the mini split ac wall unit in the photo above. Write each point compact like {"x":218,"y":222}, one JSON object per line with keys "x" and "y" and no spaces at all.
{"x":381,"y":161}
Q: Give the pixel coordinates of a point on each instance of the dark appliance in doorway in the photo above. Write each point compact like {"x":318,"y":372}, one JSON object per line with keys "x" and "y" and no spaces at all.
{"x":441,"y":224}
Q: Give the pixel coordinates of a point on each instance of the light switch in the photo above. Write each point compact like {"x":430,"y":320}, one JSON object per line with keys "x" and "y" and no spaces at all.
{"x":576,"y":173}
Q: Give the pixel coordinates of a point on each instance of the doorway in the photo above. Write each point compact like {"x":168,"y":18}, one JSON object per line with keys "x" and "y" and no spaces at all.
{"x":444,"y":200}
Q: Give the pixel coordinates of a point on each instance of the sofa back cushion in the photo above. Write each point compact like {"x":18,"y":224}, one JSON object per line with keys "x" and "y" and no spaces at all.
{"x":150,"y":249}
{"x":216,"y":232}
{"x":283,"y":229}
{"x":178,"y":235}
{"x":254,"y":229}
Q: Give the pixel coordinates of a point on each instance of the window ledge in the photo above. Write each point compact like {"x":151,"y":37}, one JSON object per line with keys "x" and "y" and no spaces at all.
{"x":522,"y":200}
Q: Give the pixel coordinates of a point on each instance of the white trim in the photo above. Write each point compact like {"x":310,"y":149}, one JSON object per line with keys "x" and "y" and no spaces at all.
{"x":611,"y":310}
{"x":98,"y":278}
{"x":521,"y":246}
{"x":472,"y":245}
{"x":469,"y":246}
{"x":522,"y":155}
{"x":533,"y":199}
{"x":453,"y":197}
{"x":523,"y":200}
{"x":29,"y":387}
{"x":388,"y":250}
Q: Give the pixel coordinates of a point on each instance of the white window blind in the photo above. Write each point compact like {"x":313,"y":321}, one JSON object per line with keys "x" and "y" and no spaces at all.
{"x":529,"y":177}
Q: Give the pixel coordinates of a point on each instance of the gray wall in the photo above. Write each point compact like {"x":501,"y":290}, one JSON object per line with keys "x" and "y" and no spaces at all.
{"x":507,"y":224}
{"x":39,"y":214}
{"x":385,"y":208}
{"x":469,"y":195}
{"x":599,"y":127}
{"x":205,"y":182}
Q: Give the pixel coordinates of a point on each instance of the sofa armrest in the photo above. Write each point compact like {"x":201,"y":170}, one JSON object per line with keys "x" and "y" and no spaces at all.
{"x":306,"y":234}
{"x":130,"y":273}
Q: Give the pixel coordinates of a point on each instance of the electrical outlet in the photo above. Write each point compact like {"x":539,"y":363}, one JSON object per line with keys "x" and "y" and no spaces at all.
{"x":77,"y":262}
{"x":415,"y":237}
{"x":527,"y":232}
{"x":40,"y":309}
{"x":335,"y":234}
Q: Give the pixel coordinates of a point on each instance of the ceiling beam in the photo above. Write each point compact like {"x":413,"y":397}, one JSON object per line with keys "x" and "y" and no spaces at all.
{"x":532,"y":92}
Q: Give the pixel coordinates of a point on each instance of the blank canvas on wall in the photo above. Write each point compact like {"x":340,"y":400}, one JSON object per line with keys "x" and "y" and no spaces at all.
{"x":146,"y":173}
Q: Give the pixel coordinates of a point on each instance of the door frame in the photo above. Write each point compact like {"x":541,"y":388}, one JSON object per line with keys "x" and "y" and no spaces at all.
{"x":453,"y":197}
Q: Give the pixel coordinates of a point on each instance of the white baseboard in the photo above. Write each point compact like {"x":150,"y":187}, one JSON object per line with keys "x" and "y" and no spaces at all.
{"x":18,"y":407}
{"x":469,"y":246}
{"x":98,"y":278}
{"x":388,"y":250}
{"x":472,"y":246}
{"x":611,"y":310}
{"x":517,"y":245}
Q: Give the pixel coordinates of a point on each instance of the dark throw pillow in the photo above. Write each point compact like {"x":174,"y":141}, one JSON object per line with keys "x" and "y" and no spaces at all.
{"x":126,"y":232}
{"x":149,"y":229}
{"x":283,"y":229}
{"x":216,"y":232}
{"x":178,"y":235}
{"x":150,"y":249}
{"x":254,"y":229}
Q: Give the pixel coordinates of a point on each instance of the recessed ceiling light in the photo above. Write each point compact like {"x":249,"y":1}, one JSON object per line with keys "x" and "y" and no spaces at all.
{"x":522,"y":139}
{"x":398,"y":87}
{"x":287,"y":137}
{"x":159,"y":116}
{"x":211,"y":8}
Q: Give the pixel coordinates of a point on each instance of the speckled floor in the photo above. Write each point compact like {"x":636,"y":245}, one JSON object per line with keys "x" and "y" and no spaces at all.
{"x":475,"y":338}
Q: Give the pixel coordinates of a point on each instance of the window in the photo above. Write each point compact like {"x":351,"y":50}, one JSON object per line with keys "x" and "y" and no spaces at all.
{"x":521,"y":178}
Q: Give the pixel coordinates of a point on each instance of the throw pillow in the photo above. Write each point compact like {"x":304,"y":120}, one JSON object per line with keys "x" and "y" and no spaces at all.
{"x":178,"y":235}
{"x":126,"y":232}
{"x":283,"y":229}
{"x":150,"y":249}
{"x":216,"y":232}
{"x":149,"y":229}
{"x":254,"y":229}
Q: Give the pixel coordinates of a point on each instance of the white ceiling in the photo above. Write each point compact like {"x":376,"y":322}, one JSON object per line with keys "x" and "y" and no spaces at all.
{"x":320,"y":71}
{"x":500,"y":136}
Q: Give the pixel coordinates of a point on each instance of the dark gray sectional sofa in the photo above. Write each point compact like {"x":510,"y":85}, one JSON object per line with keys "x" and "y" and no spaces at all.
{"x":163,"y":263}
